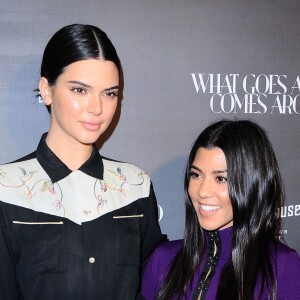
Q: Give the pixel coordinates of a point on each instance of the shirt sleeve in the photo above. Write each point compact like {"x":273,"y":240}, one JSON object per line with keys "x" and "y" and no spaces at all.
{"x":8,"y":286}
{"x":289,"y":276}
{"x":151,"y":233}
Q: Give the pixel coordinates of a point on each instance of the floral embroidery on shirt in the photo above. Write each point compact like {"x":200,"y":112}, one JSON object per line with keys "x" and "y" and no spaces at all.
{"x":116,"y":182}
{"x":101,"y":203}
{"x":25,"y":178}
{"x":58,"y":200}
{"x":72,"y":197}
{"x":30,"y":191}
{"x":48,"y":186}
{"x":2,"y":174}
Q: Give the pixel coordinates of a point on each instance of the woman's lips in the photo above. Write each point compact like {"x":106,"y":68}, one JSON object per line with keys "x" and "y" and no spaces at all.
{"x":209,"y":209}
{"x":91,"y":126}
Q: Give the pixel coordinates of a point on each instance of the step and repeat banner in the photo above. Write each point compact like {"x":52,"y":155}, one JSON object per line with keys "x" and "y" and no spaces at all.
{"x":186,"y":64}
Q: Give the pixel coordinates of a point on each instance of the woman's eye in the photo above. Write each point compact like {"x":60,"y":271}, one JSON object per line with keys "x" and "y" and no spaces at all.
{"x":111,"y":94}
{"x":194,"y":175}
{"x":221,"y":179}
{"x":78,"y":90}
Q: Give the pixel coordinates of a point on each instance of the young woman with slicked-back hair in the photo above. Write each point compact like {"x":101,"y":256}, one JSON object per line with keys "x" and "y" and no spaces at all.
{"x":229,"y":251}
{"x":73,"y":224}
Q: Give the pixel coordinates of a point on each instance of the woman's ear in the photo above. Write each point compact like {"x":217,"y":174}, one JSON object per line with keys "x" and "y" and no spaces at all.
{"x":45,"y":91}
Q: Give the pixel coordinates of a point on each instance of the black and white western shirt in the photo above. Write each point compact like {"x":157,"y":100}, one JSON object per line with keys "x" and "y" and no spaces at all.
{"x":81,"y":234}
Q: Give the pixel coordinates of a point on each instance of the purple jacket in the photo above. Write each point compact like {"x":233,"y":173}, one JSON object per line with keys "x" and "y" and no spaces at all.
{"x":288,"y":269}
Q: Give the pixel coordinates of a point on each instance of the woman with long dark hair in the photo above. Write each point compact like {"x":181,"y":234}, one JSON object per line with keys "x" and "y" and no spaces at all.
{"x":73,"y":224}
{"x":229,"y":250}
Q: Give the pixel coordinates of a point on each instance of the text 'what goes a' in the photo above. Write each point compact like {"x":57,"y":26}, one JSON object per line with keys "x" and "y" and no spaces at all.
{"x":250,"y":94}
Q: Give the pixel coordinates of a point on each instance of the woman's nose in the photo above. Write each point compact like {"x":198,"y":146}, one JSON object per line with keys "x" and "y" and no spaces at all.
{"x":205,"y":189}
{"x":95,"y":105}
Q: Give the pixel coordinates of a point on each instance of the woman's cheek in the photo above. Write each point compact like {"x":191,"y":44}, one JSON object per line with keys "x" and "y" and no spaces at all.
{"x":75,"y":105}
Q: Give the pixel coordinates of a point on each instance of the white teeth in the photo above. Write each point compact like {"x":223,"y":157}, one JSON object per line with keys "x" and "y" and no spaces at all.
{"x":209,"y":207}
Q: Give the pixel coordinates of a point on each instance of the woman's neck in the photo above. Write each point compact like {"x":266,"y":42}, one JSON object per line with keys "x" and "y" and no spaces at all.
{"x":71,"y":152}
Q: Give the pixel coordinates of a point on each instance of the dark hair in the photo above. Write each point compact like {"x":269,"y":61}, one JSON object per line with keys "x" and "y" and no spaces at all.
{"x":255,"y":190}
{"x":73,"y":43}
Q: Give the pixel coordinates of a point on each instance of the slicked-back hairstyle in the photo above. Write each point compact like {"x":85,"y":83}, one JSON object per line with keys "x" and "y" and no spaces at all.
{"x":73,"y":43}
{"x":255,"y":190}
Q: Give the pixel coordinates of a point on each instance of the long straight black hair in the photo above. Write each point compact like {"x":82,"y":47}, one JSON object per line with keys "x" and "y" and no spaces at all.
{"x":255,"y":190}
{"x":73,"y":43}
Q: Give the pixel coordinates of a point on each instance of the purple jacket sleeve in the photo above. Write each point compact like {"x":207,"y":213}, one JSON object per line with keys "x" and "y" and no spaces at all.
{"x":157,"y":268}
{"x":288,"y":274}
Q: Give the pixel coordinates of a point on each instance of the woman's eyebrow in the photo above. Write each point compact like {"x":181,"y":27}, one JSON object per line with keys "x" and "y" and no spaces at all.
{"x":80,"y":83}
{"x":112,"y":88}
{"x":196,"y":168}
{"x":213,"y":172}
{"x":219,"y":171}
{"x":88,"y":86}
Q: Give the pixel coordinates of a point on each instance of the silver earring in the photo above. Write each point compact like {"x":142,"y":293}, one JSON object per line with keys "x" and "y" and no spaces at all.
{"x":40,"y":99}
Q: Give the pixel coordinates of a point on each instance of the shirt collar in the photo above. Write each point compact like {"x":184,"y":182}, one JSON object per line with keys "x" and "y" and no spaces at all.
{"x":57,"y":170}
